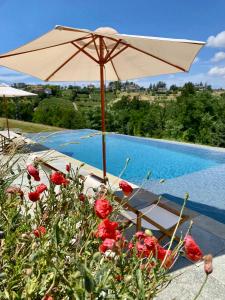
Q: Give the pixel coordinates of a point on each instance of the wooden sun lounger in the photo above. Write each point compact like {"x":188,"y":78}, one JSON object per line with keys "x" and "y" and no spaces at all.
{"x":156,"y":216}
{"x":15,"y":140}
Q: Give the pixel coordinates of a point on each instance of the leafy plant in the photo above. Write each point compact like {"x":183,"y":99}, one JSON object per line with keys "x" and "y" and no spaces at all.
{"x":62,"y":242}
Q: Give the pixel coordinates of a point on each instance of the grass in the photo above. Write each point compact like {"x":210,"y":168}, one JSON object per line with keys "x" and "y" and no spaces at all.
{"x":28,"y":126}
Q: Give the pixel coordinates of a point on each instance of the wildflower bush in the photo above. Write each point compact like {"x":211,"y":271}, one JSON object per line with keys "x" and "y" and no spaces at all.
{"x":58,"y":241}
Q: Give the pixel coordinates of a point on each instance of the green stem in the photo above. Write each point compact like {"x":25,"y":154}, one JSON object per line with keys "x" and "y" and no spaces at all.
{"x":201,"y":288}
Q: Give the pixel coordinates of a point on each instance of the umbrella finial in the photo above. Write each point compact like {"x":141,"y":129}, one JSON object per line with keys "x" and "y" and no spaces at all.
{"x":106,"y":30}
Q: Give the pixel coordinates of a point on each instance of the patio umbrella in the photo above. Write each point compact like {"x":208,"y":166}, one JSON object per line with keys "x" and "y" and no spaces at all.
{"x":7,"y":91}
{"x":70,"y":54}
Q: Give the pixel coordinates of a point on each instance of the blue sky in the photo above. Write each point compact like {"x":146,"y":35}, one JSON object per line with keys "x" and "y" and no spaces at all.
{"x":24,"y":20}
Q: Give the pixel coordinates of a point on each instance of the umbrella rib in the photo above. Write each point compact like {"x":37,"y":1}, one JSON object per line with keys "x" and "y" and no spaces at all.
{"x":117,"y":53}
{"x":71,"y":57}
{"x":158,"y":58}
{"x":96,"y":48}
{"x":112,"y":50}
{"x":108,"y":54}
{"x":43,"y":48}
{"x":85,"y":52}
{"x":114,"y":68}
{"x":149,"y":54}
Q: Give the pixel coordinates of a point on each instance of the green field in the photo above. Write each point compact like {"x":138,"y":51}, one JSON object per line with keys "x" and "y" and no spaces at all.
{"x":27,"y":126}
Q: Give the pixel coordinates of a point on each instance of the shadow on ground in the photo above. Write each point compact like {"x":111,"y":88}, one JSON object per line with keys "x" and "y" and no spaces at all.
{"x":207,"y":210}
{"x":29,"y":148}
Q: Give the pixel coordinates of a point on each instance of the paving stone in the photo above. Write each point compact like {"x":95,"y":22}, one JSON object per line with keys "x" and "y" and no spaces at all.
{"x":210,"y":225}
{"x":213,"y":290}
{"x":219,"y":267}
{"x":172,"y":293}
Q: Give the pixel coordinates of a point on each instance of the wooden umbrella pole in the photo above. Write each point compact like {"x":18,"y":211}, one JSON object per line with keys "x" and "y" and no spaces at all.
{"x":6,"y":115}
{"x":102,"y":91}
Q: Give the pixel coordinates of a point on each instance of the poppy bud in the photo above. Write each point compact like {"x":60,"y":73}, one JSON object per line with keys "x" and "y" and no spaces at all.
{"x":208,"y":267}
{"x":32,"y":171}
{"x":68,"y":167}
{"x":148,"y":232}
{"x":128,"y":278}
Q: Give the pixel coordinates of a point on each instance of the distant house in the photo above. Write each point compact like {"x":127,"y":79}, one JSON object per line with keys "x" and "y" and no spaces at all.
{"x":200,"y":87}
{"x":48,"y":91}
{"x":91,"y":86}
{"x":19,"y":85}
{"x":130,"y":87}
{"x":162,"y":90}
{"x":40,"y":89}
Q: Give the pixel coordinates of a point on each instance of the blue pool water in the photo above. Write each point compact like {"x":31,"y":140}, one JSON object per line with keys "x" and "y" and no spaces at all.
{"x":196,"y":170}
{"x":165,"y":160}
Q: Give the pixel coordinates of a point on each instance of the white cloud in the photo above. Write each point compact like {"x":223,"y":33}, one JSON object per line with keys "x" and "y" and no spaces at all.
{"x":217,"y":41}
{"x":217,"y":71}
{"x":180,"y":79}
{"x":218,"y":56}
{"x":10,"y":76}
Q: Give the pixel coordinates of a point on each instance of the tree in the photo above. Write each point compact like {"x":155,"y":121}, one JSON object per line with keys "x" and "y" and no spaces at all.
{"x":188,"y":89}
{"x":173,"y":88}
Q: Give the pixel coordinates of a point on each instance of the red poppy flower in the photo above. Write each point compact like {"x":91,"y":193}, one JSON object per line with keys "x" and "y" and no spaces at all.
{"x":68,"y":167}
{"x":14,"y":190}
{"x":142,"y":250}
{"x":34,"y":196}
{"x":119,"y":277}
{"x":58,"y":178}
{"x":107,"y":244}
{"x":102,"y":208}
{"x":107,"y":229}
{"x":41,"y":230}
{"x":41,"y":188}
{"x":192,"y":250}
{"x":130,"y":246}
{"x":118,"y":235}
{"x":161,"y":253}
{"x":66,"y":182}
{"x":126,"y":188}
{"x":47,"y":297}
{"x":82,"y":197}
{"x":33,"y":172}
{"x":151,"y":243}
{"x":140,"y":235}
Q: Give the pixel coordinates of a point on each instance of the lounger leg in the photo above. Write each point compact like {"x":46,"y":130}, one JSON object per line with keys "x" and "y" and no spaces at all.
{"x":138,"y":225}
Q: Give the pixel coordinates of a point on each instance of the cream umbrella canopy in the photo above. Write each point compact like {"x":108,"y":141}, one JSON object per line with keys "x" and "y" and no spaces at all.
{"x":7,"y":91}
{"x":70,"y":54}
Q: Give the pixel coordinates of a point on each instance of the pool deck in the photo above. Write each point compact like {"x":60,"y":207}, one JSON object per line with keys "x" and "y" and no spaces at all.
{"x":209,"y":234}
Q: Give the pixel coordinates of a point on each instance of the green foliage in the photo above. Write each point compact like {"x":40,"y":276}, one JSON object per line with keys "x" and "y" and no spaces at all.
{"x":65,"y":261}
{"x":58,"y":112}
{"x":197,"y":117}
{"x":191,"y":115}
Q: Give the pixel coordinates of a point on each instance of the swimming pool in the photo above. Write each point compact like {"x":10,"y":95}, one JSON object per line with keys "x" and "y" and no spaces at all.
{"x":164,"y":160}
{"x":186,"y":168}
